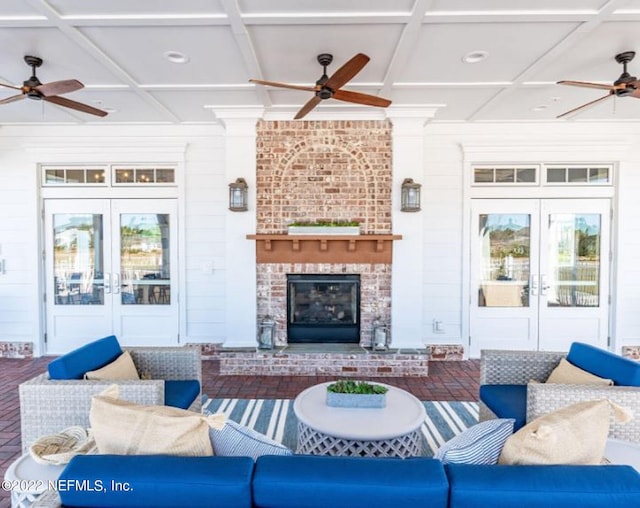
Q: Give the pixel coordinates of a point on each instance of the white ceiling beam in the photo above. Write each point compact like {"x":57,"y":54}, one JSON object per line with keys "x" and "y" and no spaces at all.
{"x":405,"y":45}
{"x":246,"y":47}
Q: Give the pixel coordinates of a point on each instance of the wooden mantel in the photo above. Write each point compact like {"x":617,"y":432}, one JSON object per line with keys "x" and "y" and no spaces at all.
{"x":283,"y":248}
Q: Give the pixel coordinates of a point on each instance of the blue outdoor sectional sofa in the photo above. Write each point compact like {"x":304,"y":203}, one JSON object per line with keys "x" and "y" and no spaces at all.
{"x":299,"y":481}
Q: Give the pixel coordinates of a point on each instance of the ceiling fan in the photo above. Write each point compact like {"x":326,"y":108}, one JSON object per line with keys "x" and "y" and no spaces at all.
{"x":625,"y":86}
{"x":50,"y":92}
{"x":331,"y":87}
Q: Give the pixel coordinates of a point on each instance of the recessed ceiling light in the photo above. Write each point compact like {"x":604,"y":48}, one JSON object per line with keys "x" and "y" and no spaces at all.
{"x":176,"y":57}
{"x":474,"y":57}
{"x":110,"y":110}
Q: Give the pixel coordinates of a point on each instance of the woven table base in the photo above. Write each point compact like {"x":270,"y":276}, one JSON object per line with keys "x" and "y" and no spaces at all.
{"x":312,"y":442}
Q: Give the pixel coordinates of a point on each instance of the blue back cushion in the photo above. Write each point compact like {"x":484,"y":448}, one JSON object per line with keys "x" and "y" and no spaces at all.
{"x":323,"y":481}
{"x":91,"y":356}
{"x":623,"y":371}
{"x":181,"y":393}
{"x":506,"y":401}
{"x":542,"y":486}
{"x":156,"y":480}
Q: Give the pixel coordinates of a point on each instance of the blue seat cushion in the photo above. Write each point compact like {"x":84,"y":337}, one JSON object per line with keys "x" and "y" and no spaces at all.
{"x":506,"y":401}
{"x":91,"y":356}
{"x":156,"y":480}
{"x":542,"y":486}
{"x":181,"y":393}
{"x":336,"y":482}
{"x":623,"y":371}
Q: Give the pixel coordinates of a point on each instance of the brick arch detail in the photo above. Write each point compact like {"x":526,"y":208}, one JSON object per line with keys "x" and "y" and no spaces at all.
{"x":342,"y":190}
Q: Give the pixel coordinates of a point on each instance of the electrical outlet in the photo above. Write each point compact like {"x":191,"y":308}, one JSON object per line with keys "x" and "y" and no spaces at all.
{"x":438,"y":326}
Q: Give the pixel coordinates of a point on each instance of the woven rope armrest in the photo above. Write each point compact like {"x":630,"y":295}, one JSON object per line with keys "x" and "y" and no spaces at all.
{"x":516,"y":367}
{"x":178,"y":363}
{"x":546,"y":398}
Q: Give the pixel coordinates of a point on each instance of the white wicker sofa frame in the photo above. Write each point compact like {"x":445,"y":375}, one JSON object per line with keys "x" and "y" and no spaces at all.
{"x":49,"y":405}
{"x":522,"y":367}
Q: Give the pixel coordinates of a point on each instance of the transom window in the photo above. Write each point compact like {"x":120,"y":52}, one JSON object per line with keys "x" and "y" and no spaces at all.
{"x":485,"y":175}
{"x":102,"y":175}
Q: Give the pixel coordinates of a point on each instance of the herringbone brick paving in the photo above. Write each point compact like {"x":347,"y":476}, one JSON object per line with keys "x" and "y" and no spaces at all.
{"x":446,"y":381}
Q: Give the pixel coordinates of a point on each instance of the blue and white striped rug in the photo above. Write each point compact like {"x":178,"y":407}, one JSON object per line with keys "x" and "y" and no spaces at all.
{"x":275,"y":418}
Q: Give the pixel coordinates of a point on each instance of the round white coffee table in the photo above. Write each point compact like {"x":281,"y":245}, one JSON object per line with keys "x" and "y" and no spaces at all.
{"x":392,"y":431}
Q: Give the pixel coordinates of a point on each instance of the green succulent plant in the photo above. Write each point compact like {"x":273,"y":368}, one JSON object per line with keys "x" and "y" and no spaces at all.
{"x":357,"y":387}
{"x":322,"y":223}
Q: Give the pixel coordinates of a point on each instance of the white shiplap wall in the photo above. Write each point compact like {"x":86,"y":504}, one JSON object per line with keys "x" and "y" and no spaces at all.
{"x":206,"y":243}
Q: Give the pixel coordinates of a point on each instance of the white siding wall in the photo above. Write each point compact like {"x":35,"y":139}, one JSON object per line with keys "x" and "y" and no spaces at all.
{"x":438,"y":278}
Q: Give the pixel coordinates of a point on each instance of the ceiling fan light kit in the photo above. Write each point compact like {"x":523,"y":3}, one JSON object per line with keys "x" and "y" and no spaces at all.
{"x":625,"y":86}
{"x":34,"y":89}
{"x":330,"y":87}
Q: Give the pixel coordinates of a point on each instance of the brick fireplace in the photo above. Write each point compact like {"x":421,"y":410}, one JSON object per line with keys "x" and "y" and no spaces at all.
{"x":324,"y":171}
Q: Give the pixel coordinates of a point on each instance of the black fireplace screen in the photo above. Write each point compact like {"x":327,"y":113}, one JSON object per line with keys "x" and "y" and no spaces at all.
{"x":323,"y":308}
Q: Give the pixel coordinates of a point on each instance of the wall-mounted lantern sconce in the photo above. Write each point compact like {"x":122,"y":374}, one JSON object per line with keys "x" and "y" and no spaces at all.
{"x":266,"y":333}
{"x":380,"y":337}
{"x":238,"y":195}
{"x":410,"y":196}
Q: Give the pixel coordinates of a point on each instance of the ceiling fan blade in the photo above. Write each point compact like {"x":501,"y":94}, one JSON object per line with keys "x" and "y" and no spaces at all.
{"x":344,"y":74}
{"x":283,"y":85}
{"x":11,"y":86}
{"x":592,"y":103}
{"x":586,"y":84}
{"x":312,"y":103}
{"x":636,"y":93}
{"x":68,"y":103}
{"x":13,"y":98}
{"x":361,"y":98}
{"x":59,"y":87}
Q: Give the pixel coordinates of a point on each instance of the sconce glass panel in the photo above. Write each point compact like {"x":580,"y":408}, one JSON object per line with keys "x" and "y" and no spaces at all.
{"x":410,"y":196}
{"x":238,"y":195}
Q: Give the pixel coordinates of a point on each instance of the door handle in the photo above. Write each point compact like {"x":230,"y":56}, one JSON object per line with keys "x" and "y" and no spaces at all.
{"x":107,"y":283}
{"x":543,"y":285}
{"x":533,"y":290}
{"x":116,"y":283}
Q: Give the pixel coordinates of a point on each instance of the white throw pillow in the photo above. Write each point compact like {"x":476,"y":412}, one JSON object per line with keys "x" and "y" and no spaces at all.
{"x":123,"y":428}
{"x":568,"y":374}
{"x":237,"y":440}
{"x":480,"y":444}
{"x":575,"y":434}
{"x":121,"y":368}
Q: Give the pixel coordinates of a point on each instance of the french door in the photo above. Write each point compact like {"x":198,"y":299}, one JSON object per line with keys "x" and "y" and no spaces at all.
{"x":111,"y":267}
{"x":539,"y":273}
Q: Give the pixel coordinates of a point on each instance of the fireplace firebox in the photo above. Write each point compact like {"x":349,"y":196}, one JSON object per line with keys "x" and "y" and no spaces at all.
{"x":323,"y":308}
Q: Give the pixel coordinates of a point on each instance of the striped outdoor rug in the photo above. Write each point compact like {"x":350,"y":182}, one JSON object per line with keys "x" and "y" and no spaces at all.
{"x":275,"y":418}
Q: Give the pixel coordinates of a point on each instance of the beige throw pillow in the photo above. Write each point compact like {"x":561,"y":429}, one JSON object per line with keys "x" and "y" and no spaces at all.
{"x":124,"y":428}
{"x":121,"y":368}
{"x":575,"y":434}
{"x":568,"y":374}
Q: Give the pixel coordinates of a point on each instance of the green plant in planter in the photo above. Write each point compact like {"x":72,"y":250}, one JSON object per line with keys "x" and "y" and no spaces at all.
{"x":322,"y":223}
{"x":356,"y":387}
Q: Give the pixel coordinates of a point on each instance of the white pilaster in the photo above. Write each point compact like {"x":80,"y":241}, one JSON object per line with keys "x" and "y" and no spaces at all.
{"x":407,"y":297}
{"x":240,"y":269}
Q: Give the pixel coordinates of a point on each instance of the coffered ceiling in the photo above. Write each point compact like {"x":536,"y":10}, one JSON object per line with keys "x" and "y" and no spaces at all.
{"x":120,"y":50}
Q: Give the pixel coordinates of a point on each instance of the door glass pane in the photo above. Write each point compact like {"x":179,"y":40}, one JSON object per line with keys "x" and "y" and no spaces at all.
{"x":144,"y":259}
{"x":78,"y":259}
{"x":504,"y":270}
{"x":574,"y":261}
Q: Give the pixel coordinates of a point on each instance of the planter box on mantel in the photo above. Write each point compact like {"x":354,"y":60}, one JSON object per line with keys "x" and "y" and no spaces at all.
{"x":356,"y":400}
{"x":324,"y":230}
